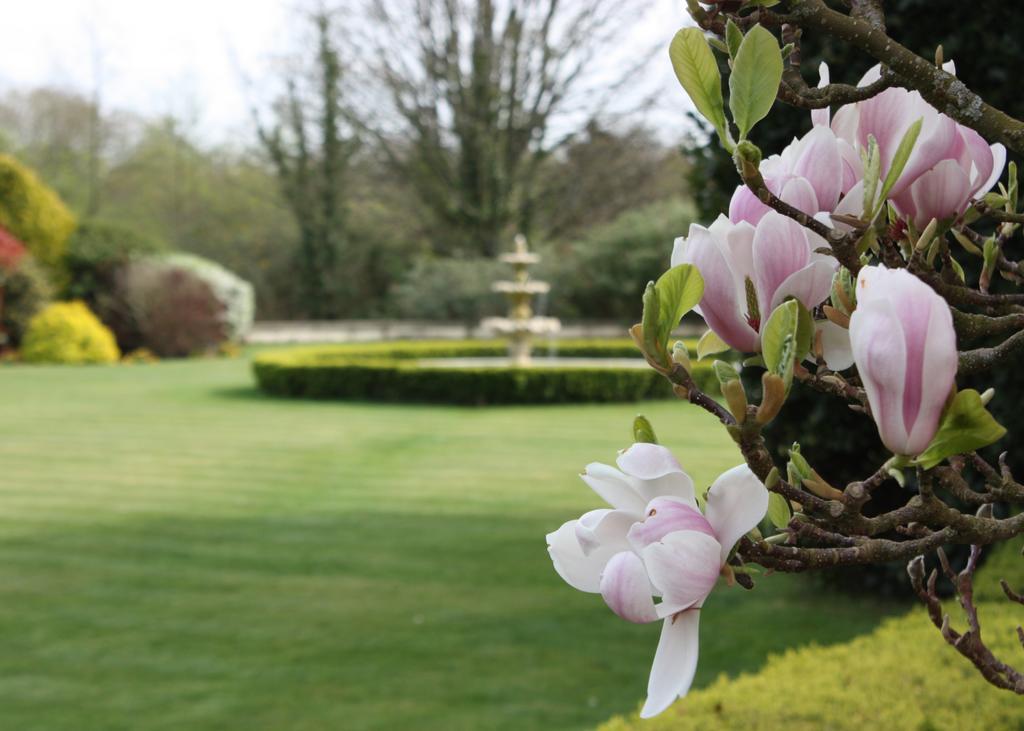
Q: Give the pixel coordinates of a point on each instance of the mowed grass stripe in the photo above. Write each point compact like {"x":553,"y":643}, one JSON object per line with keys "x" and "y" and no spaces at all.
{"x":177,"y":551}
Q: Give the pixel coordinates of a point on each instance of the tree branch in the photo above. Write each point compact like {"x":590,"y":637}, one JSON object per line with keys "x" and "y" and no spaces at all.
{"x":942,"y":90}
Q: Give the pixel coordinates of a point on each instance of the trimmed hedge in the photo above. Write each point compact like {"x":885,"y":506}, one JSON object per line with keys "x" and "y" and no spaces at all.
{"x":901,"y":677}
{"x":390,"y":372}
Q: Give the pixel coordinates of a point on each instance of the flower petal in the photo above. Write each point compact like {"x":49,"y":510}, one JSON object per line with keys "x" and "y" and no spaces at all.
{"x":880,"y":351}
{"x":799,"y":193}
{"x":675,"y":662}
{"x":656,"y":473}
{"x":579,"y":570}
{"x":835,"y":345}
{"x":666,"y":515}
{"x":626,"y":589}
{"x":737,"y":501}
{"x":780,"y":248}
{"x":722,"y":305}
{"x":938,"y":373}
{"x":998,"y":163}
{"x":614,"y":488}
{"x":683,"y":566}
{"x":604,"y":527}
{"x":821,"y":116}
{"x":745,"y":206}
{"x":820,"y":163}
{"x":811,"y":285}
{"x":940,"y":193}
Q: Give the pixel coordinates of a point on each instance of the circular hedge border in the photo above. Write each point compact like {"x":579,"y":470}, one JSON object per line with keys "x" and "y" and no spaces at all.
{"x":391,"y":372}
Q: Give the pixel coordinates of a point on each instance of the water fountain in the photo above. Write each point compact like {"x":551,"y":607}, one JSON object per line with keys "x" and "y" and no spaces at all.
{"x":521,"y":325}
{"x":474,"y":371}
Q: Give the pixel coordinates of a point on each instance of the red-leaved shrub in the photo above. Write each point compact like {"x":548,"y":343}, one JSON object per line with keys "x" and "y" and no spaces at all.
{"x":167,"y":309}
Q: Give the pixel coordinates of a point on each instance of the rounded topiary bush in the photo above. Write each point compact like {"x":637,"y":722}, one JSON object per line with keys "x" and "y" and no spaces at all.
{"x":394,"y":372}
{"x":234,"y":293}
{"x":170,"y":310}
{"x":68,"y":332}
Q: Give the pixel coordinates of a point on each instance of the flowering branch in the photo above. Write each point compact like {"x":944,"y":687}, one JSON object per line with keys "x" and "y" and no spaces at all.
{"x":943,"y":90}
{"x":834,"y":268}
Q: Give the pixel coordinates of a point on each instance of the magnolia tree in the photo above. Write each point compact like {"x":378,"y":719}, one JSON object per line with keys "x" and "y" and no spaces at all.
{"x":838,"y":265}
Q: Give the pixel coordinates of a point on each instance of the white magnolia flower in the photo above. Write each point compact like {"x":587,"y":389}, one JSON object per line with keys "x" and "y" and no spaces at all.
{"x":654,"y":542}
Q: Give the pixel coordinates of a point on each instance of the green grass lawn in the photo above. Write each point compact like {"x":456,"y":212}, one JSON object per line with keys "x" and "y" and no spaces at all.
{"x":178,"y":552}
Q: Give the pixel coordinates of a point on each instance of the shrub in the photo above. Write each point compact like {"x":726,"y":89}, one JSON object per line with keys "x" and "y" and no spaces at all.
{"x":901,"y":677}
{"x":601,"y":275}
{"x":140,"y":355}
{"x":233,"y":292}
{"x":12,"y":251}
{"x":390,"y":372}
{"x":26,"y":291}
{"x":34,"y":213}
{"x":451,"y":289}
{"x":95,"y":252}
{"x":168,"y":309}
{"x":68,"y":332}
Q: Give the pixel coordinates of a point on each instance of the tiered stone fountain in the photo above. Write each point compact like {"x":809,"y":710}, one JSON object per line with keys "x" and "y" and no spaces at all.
{"x":521,"y":325}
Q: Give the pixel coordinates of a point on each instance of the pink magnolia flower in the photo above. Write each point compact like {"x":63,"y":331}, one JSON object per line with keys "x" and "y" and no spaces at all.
{"x":904,"y":346}
{"x":775,"y":259}
{"x":811,"y":174}
{"x":655,"y":542}
{"x":950,"y":165}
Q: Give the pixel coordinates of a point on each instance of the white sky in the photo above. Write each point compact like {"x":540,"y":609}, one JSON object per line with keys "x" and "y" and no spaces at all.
{"x":183,"y":56}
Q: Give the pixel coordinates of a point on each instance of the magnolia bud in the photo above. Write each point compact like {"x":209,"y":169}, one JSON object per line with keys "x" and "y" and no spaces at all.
{"x":643,"y":431}
{"x":774,"y":396}
{"x":748,"y":159}
{"x":736,"y":398}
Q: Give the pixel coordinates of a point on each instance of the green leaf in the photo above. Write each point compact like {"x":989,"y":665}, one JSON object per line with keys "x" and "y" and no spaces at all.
{"x":1012,"y":190}
{"x":966,"y":426}
{"x":899,"y":160}
{"x":697,"y":71}
{"x":710,"y":344}
{"x":804,"y":331}
{"x":733,"y":38}
{"x":650,"y":322}
{"x":872,"y":170}
{"x":958,"y":269}
{"x":681,"y":355}
{"x":754,"y":83}
{"x":679,"y":290}
{"x":778,"y":510}
{"x":643,"y":432}
{"x":725,"y":372}
{"x":784,"y":340}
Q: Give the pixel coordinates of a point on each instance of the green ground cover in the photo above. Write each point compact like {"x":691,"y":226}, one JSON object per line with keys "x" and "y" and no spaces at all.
{"x":178,"y":551}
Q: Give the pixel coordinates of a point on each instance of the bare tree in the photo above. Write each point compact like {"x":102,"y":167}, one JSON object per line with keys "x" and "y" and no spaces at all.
{"x":473,"y":95}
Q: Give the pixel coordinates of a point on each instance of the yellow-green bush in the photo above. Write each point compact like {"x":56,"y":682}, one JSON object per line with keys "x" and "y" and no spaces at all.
{"x":901,"y":677}
{"x":35,"y":214}
{"x":68,"y":332}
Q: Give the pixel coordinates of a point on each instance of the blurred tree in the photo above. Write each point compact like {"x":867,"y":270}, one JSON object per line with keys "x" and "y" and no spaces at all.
{"x":603,"y":174}
{"x":216,"y":202}
{"x":65,"y":138}
{"x":311,"y":153}
{"x":475,"y":89}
